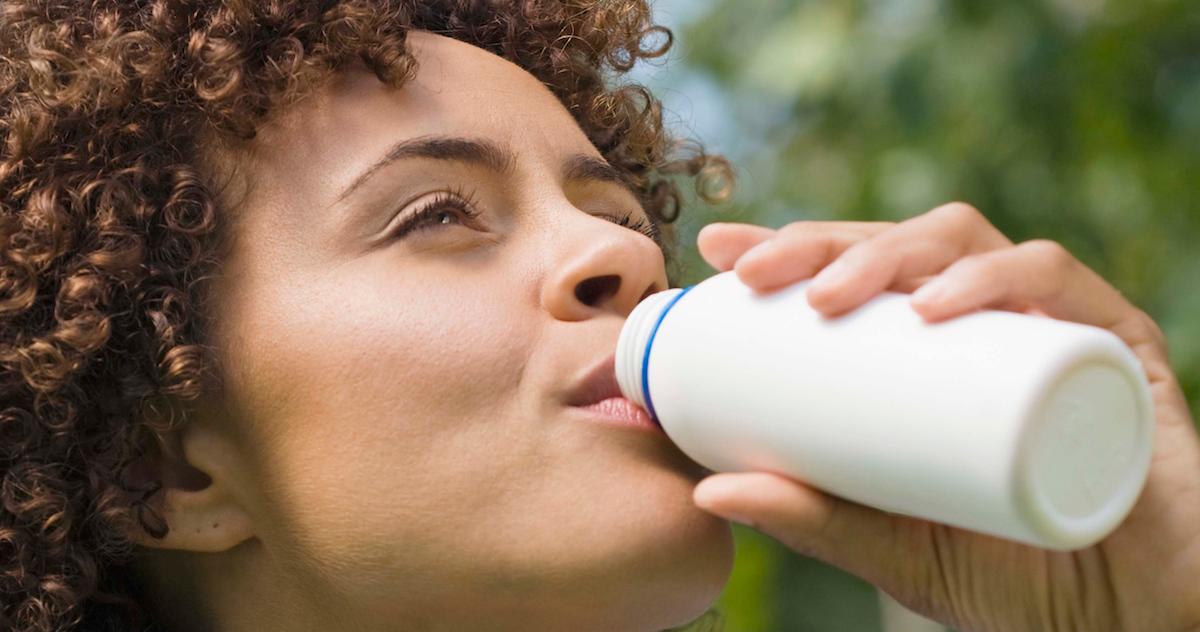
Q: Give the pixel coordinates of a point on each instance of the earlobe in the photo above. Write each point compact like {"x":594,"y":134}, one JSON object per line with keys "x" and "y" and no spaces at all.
{"x":191,"y":479}
{"x":198,"y":522}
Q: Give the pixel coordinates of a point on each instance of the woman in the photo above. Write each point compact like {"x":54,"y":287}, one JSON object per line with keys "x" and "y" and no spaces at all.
{"x":305,"y":304}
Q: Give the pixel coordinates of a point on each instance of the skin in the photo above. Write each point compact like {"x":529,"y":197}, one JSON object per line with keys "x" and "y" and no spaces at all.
{"x":1141,"y":578}
{"x":393,"y":450}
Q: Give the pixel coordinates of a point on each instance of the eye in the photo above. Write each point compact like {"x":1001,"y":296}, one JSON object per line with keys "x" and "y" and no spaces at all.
{"x":641,"y":225}
{"x":440,"y":211}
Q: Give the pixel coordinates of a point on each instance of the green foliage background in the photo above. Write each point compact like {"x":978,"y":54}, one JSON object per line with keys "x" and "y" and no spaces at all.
{"x":1071,"y":120}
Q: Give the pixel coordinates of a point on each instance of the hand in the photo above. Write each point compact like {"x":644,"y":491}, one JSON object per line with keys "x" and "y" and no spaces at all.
{"x":1144,"y":577}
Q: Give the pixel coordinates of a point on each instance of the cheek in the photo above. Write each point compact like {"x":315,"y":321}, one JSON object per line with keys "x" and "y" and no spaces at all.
{"x":404,"y":443}
{"x":374,"y":409}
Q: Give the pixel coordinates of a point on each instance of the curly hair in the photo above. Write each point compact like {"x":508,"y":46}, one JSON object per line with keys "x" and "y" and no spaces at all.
{"x":110,"y":231}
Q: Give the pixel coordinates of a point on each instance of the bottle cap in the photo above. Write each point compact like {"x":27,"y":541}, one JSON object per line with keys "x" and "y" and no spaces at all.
{"x":1088,"y":443}
{"x":634,"y":343}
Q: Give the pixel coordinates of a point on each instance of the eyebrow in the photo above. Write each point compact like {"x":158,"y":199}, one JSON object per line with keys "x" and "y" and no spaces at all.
{"x":486,"y":154}
{"x":585,"y":167}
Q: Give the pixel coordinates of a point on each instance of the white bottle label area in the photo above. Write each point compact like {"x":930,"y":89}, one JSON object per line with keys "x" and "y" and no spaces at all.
{"x":1016,"y":425}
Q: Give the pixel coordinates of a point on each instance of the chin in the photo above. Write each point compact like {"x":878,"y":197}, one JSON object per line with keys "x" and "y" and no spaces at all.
{"x":620,"y":545}
{"x":669,"y":583}
{"x":690,"y":579}
{"x":679,"y":557}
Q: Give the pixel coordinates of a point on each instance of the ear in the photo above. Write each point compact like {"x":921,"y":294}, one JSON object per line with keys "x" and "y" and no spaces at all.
{"x":192,"y":477}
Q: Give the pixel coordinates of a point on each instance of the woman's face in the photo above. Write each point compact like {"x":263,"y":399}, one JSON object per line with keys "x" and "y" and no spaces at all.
{"x":406,"y":449}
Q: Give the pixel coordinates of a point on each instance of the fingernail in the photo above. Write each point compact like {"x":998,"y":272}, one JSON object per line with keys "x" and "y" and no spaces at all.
{"x":712,"y":489}
{"x":831,"y":274}
{"x":757,"y":252}
{"x":930,"y":292}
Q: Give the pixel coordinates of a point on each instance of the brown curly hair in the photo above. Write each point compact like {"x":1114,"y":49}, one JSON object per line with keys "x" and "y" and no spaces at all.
{"x":110,"y":232}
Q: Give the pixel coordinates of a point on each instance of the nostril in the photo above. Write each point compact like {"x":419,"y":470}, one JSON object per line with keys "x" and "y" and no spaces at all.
{"x":650,"y":290}
{"x":593,"y":290}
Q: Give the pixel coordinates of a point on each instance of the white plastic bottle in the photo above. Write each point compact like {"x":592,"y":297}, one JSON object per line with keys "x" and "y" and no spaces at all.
{"x":1019,"y":426}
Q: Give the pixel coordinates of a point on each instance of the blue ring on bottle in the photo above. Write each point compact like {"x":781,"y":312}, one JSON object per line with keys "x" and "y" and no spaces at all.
{"x":646,"y":355}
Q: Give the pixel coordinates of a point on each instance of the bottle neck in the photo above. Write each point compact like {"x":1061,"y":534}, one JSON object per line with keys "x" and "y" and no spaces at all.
{"x":635,"y":342}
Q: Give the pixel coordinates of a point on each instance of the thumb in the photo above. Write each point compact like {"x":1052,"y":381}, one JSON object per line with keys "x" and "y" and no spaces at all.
{"x":856,"y":538}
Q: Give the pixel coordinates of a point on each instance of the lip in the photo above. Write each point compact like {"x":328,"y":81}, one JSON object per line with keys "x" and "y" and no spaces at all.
{"x":600,"y":397}
{"x":597,"y":385}
{"x":621,"y":412}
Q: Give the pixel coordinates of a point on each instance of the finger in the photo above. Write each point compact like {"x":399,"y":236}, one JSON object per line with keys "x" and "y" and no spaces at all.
{"x":1043,"y":275}
{"x":923,"y":245}
{"x":908,"y":286}
{"x":799,"y":250}
{"x":721,"y":243}
{"x":854,"y":537}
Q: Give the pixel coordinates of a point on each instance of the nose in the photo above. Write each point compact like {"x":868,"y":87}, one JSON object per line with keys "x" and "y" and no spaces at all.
{"x":601,"y":267}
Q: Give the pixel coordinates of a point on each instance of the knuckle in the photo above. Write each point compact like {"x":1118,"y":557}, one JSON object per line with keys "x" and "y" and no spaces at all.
{"x":810,"y":242}
{"x":960,"y":212}
{"x":798,"y":542}
{"x":818,"y":533}
{"x":1156,"y":330}
{"x":1051,"y":252}
{"x":925,"y":585}
{"x":804,"y":236}
{"x":975,"y":265}
{"x":810,"y":232}
{"x":1149,"y":329}
{"x":864,"y":228}
{"x":857,"y":253}
{"x":795,"y":228}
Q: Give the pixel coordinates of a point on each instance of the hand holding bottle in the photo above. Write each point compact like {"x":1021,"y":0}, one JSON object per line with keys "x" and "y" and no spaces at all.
{"x":1141,"y":577}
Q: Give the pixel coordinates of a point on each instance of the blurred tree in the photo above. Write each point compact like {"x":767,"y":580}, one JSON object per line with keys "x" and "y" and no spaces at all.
{"x":1072,"y":120}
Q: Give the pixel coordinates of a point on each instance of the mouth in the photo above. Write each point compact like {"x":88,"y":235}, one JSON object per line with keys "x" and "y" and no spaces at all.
{"x":599,"y":398}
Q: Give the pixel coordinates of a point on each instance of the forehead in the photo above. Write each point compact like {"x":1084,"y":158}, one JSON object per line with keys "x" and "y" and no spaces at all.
{"x":458,"y":89}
